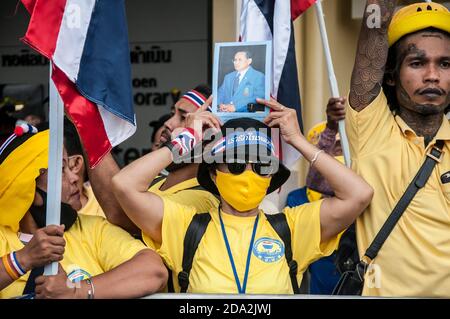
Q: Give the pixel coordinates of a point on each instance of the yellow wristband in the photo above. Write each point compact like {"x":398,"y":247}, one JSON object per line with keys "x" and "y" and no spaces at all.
{"x":8,"y":268}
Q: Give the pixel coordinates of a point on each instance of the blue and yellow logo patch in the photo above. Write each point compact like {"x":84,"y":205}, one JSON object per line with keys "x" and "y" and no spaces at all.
{"x":268,"y":250}
{"x":78,"y":275}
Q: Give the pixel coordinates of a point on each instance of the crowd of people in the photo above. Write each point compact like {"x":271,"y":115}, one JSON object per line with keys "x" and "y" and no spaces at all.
{"x":186,"y":218}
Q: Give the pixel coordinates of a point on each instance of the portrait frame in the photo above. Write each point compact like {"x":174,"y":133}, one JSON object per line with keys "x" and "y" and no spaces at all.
{"x":241,"y":95}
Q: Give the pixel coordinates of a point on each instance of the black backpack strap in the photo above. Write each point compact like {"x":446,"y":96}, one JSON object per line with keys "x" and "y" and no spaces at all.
{"x":157,"y":180}
{"x":30,"y":284}
{"x":194,"y":188}
{"x":280,"y":225}
{"x":194,"y":234}
{"x":419,"y":181}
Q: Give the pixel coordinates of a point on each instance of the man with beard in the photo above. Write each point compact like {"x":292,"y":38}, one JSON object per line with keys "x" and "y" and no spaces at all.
{"x":96,"y":259}
{"x":400,"y":92}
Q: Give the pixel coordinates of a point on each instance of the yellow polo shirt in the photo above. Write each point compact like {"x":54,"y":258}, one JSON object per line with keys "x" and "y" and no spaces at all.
{"x":415,"y":259}
{"x":92,"y":207}
{"x":268,"y":272}
{"x":93,"y":246}
{"x":201,"y":200}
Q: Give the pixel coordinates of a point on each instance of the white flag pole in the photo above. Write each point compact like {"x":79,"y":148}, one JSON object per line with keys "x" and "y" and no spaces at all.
{"x":332,"y":79}
{"x":56,"y":114}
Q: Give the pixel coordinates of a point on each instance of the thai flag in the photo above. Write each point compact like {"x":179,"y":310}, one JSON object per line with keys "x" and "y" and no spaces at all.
{"x":87,"y":41}
{"x":263,"y":20}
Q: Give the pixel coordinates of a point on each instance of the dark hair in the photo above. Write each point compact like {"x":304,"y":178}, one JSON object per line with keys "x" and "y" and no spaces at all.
{"x":72,"y":142}
{"x":156,"y":125}
{"x":71,"y":139}
{"x":392,"y":69}
{"x":248,"y":54}
{"x":204,"y":89}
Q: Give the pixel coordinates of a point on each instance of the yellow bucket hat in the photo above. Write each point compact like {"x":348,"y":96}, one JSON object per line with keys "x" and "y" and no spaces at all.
{"x":313,"y":195}
{"x":21,"y":158}
{"x":418,"y":16}
{"x":314,"y":133}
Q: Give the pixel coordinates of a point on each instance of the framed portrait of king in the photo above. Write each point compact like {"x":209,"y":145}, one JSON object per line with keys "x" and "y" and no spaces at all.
{"x":241,"y":74}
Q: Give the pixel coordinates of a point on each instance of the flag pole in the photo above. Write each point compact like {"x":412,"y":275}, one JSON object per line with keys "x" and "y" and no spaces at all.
{"x":56,"y":114}
{"x":332,"y":79}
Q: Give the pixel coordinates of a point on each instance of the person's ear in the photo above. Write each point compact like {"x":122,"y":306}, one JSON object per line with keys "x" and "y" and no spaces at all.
{"x":389,"y":79}
{"x":76,"y":163}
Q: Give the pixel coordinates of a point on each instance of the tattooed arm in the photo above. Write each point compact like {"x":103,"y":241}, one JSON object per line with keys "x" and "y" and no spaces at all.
{"x":371,"y":55}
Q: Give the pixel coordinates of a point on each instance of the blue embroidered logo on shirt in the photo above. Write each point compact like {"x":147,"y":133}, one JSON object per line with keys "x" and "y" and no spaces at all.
{"x":268,"y":250}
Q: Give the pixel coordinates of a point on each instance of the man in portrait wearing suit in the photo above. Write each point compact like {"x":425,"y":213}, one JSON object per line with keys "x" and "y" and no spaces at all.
{"x":242,"y":86}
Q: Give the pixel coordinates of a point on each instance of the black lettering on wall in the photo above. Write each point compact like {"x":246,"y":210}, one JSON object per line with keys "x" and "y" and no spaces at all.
{"x":24,"y":58}
{"x":154,"y":55}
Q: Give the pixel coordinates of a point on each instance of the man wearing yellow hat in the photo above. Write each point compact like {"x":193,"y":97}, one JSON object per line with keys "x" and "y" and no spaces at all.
{"x":400,"y":92}
{"x":97,"y":259}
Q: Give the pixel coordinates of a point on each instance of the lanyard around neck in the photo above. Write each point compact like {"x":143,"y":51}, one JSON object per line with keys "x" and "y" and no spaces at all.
{"x":241,"y":289}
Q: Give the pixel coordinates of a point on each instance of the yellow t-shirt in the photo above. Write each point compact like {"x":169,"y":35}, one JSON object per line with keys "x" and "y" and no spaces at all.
{"x":268,"y":273}
{"x":201,"y":200}
{"x":415,"y":259}
{"x":92,"y":207}
{"x":93,"y":246}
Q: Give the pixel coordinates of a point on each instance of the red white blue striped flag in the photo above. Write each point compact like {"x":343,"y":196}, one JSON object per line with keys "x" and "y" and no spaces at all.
{"x":87,"y":41}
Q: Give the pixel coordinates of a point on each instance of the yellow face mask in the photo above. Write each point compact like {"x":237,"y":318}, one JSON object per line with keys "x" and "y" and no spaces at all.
{"x":244,"y":191}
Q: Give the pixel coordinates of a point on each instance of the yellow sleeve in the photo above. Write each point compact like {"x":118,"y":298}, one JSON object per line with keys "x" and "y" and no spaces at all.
{"x":304,"y":222}
{"x":3,"y":247}
{"x":365,"y":129}
{"x":201,"y":200}
{"x":114,"y":245}
{"x":149,"y":242}
{"x":176,"y":220}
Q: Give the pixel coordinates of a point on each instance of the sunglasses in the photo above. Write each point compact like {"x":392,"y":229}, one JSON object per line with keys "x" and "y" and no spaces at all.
{"x":262,"y":169}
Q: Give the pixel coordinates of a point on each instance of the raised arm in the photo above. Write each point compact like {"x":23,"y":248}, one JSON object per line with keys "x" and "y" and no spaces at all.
{"x":371,"y":54}
{"x":352,"y":193}
{"x":130,"y":185}
{"x":100,"y":178}
{"x":327,"y":142}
